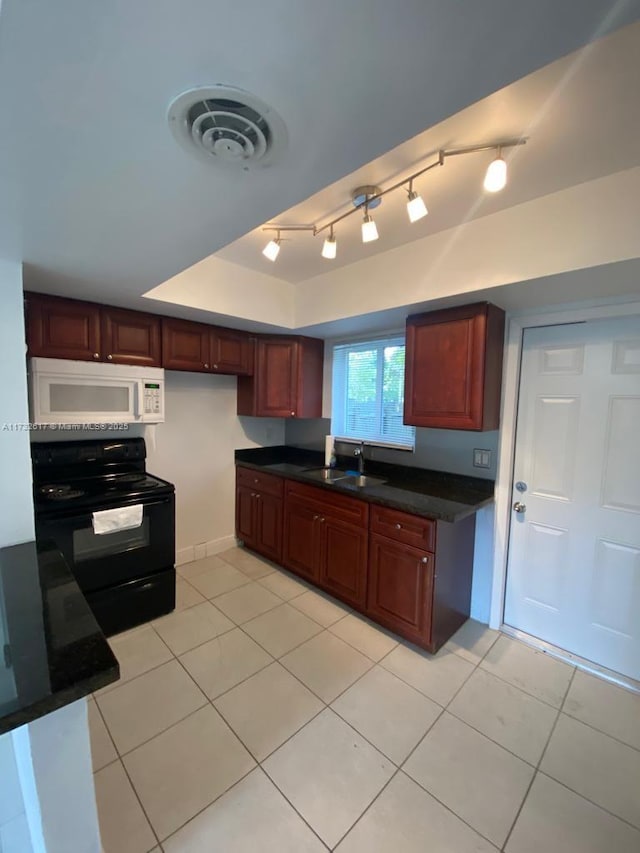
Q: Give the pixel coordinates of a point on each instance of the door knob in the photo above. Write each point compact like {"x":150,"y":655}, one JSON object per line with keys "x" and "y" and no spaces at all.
{"x":518,"y":507}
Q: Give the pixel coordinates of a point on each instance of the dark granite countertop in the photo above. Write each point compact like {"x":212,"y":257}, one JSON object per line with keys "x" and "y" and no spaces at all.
{"x":54,"y":651}
{"x":433,"y":494}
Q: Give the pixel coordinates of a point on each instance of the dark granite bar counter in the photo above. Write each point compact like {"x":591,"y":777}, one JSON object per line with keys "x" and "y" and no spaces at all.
{"x":54,"y":651}
{"x":433,"y":494}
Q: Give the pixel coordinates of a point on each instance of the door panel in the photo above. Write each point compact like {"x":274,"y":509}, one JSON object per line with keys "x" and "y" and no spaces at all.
{"x":185,"y":345}
{"x":301,"y":543}
{"x":61,"y":328}
{"x":245,"y":524}
{"x":130,"y":337}
{"x":573,"y":574}
{"x":269,"y":526}
{"x":278,"y":378}
{"x":344,"y":564}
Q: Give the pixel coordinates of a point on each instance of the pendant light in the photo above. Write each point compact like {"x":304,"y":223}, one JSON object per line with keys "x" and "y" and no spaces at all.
{"x":496,"y":177}
{"x":329,"y":247}
{"x":272,"y":249}
{"x":369,"y":230}
{"x":416,"y":208}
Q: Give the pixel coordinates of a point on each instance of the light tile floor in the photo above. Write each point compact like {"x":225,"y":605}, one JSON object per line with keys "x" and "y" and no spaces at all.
{"x":265,"y":716}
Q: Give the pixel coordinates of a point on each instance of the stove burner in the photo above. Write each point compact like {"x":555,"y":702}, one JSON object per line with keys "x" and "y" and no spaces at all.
{"x":129,"y":478}
{"x":60,"y":493}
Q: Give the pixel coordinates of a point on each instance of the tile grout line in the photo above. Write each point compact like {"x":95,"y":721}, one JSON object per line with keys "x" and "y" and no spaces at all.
{"x":537,"y":767}
{"x":126,"y":773}
{"x":633,"y":826}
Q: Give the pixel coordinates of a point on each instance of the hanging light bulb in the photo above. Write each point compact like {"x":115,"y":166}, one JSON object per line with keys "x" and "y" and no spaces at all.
{"x":496,"y":177}
{"x":416,"y":208}
{"x":272,"y":249}
{"x":329,"y":246}
{"x":369,"y":230}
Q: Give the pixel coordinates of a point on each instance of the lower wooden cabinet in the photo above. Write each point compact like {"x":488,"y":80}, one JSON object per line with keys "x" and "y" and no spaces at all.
{"x":400,"y":593}
{"x":408,"y":573}
{"x":325,"y":541}
{"x":259,"y":514}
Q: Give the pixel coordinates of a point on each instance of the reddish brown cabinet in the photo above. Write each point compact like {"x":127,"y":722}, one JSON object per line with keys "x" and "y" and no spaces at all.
{"x":325,"y":540}
{"x":420,"y":574}
{"x":453,"y":368}
{"x":71,"y":329}
{"x":259,"y":512}
{"x":62,"y":328}
{"x":130,"y":337}
{"x":205,"y":349}
{"x":287,"y":379}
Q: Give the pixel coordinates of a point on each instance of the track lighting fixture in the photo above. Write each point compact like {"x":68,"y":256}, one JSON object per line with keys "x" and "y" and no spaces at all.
{"x":367,"y":197}
{"x":416,"y":208}
{"x":329,"y":246}
{"x":496,"y":177}
{"x":272,"y":249}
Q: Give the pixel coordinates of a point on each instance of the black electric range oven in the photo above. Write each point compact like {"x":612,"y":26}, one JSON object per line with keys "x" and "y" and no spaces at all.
{"x":127,"y":575}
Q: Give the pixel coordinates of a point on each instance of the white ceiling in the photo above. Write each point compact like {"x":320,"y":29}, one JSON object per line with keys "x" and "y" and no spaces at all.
{"x":99,"y":201}
{"x":581,"y":115}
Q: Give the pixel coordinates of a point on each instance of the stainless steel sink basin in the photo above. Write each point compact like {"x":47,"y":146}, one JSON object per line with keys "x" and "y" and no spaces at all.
{"x":361,"y":481}
{"x":344,"y":478}
{"x":326,"y":475}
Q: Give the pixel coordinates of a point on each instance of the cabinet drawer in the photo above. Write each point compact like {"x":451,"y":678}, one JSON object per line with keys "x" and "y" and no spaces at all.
{"x":342,"y":507}
{"x":253,"y":479}
{"x":402,"y":527}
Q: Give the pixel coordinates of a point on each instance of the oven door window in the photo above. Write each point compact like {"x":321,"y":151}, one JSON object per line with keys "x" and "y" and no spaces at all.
{"x":89,"y":546}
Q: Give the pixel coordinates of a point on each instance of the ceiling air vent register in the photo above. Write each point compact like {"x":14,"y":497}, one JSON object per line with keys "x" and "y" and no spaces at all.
{"x":228,"y":127}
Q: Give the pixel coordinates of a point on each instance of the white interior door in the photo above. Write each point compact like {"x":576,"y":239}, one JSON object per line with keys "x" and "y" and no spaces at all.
{"x":573,"y":573}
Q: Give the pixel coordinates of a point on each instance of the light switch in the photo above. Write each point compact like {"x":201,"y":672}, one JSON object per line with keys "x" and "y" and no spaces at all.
{"x":481,"y":458}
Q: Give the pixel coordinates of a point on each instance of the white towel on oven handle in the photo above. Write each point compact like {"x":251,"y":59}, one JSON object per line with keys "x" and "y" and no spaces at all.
{"x":121,"y":518}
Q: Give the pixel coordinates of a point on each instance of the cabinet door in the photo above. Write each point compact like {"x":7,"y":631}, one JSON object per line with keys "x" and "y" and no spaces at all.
{"x":231,"y":352}
{"x":301,"y":541}
{"x":63,"y":328}
{"x":400,"y":588}
{"x":185,"y":345}
{"x":245,"y":515}
{"x":343,"y":570}
{"x":268,"y":514}
{"x":277,"y":368}
{"x":453,"y":370}
{"x":130,"y":337}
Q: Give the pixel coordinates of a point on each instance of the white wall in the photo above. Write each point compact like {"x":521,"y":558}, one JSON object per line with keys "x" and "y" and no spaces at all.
{"x":16,"y":518}
{"x":194,"y":450}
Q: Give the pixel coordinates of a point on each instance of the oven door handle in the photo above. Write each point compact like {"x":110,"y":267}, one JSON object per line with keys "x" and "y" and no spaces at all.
{"x":75,"y":514}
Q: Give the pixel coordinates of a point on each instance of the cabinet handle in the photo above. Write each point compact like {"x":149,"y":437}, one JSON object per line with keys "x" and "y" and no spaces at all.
{"x":398,"y":527}
{"x":96,"y":355}
{"x":215,"y":366}
{"x":321,"y":520}
{"x":316,"y":517}
{"x":257,"y":495}
{"x":293,"y":414}
{"x":206,"y":365}
{"x":425,"y":560}
{"x":253,"y":494}
{"x":110,"y":357}
{"x":256,"y":480}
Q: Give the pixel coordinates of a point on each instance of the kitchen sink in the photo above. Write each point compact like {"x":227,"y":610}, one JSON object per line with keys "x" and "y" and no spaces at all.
{"x":344,"y":478}
{"x":327,"y":475}
{"x":361,"y":481}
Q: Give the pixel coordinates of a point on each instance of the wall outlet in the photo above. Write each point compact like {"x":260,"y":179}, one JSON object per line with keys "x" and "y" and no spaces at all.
{"x":481,"y":458}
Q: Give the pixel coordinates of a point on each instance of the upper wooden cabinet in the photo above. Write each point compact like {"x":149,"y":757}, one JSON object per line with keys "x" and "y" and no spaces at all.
{"x":287,"y":380}
{"x":69,"y":328}
{"x":453,"y":368}
{"x":130,"y":337}
{"x":206,"y":349}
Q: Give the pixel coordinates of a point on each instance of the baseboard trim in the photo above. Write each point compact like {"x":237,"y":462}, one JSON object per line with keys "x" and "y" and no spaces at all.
{"x":204,"y":549}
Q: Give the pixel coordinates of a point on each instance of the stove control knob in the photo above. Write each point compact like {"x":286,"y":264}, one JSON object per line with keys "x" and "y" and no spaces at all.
{"x":96,"y":355}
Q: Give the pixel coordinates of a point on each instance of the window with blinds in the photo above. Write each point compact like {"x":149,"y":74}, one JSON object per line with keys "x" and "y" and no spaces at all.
{"x":368,"y":393}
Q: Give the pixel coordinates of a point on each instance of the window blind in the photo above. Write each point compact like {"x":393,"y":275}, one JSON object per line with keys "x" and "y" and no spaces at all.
{"x":368,"y":393}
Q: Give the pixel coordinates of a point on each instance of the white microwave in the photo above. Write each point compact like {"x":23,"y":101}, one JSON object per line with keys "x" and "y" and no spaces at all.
{"x":79,"y":392}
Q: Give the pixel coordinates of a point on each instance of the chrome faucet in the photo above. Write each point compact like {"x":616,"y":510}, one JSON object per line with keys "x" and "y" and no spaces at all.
{"x":359,"y":452}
